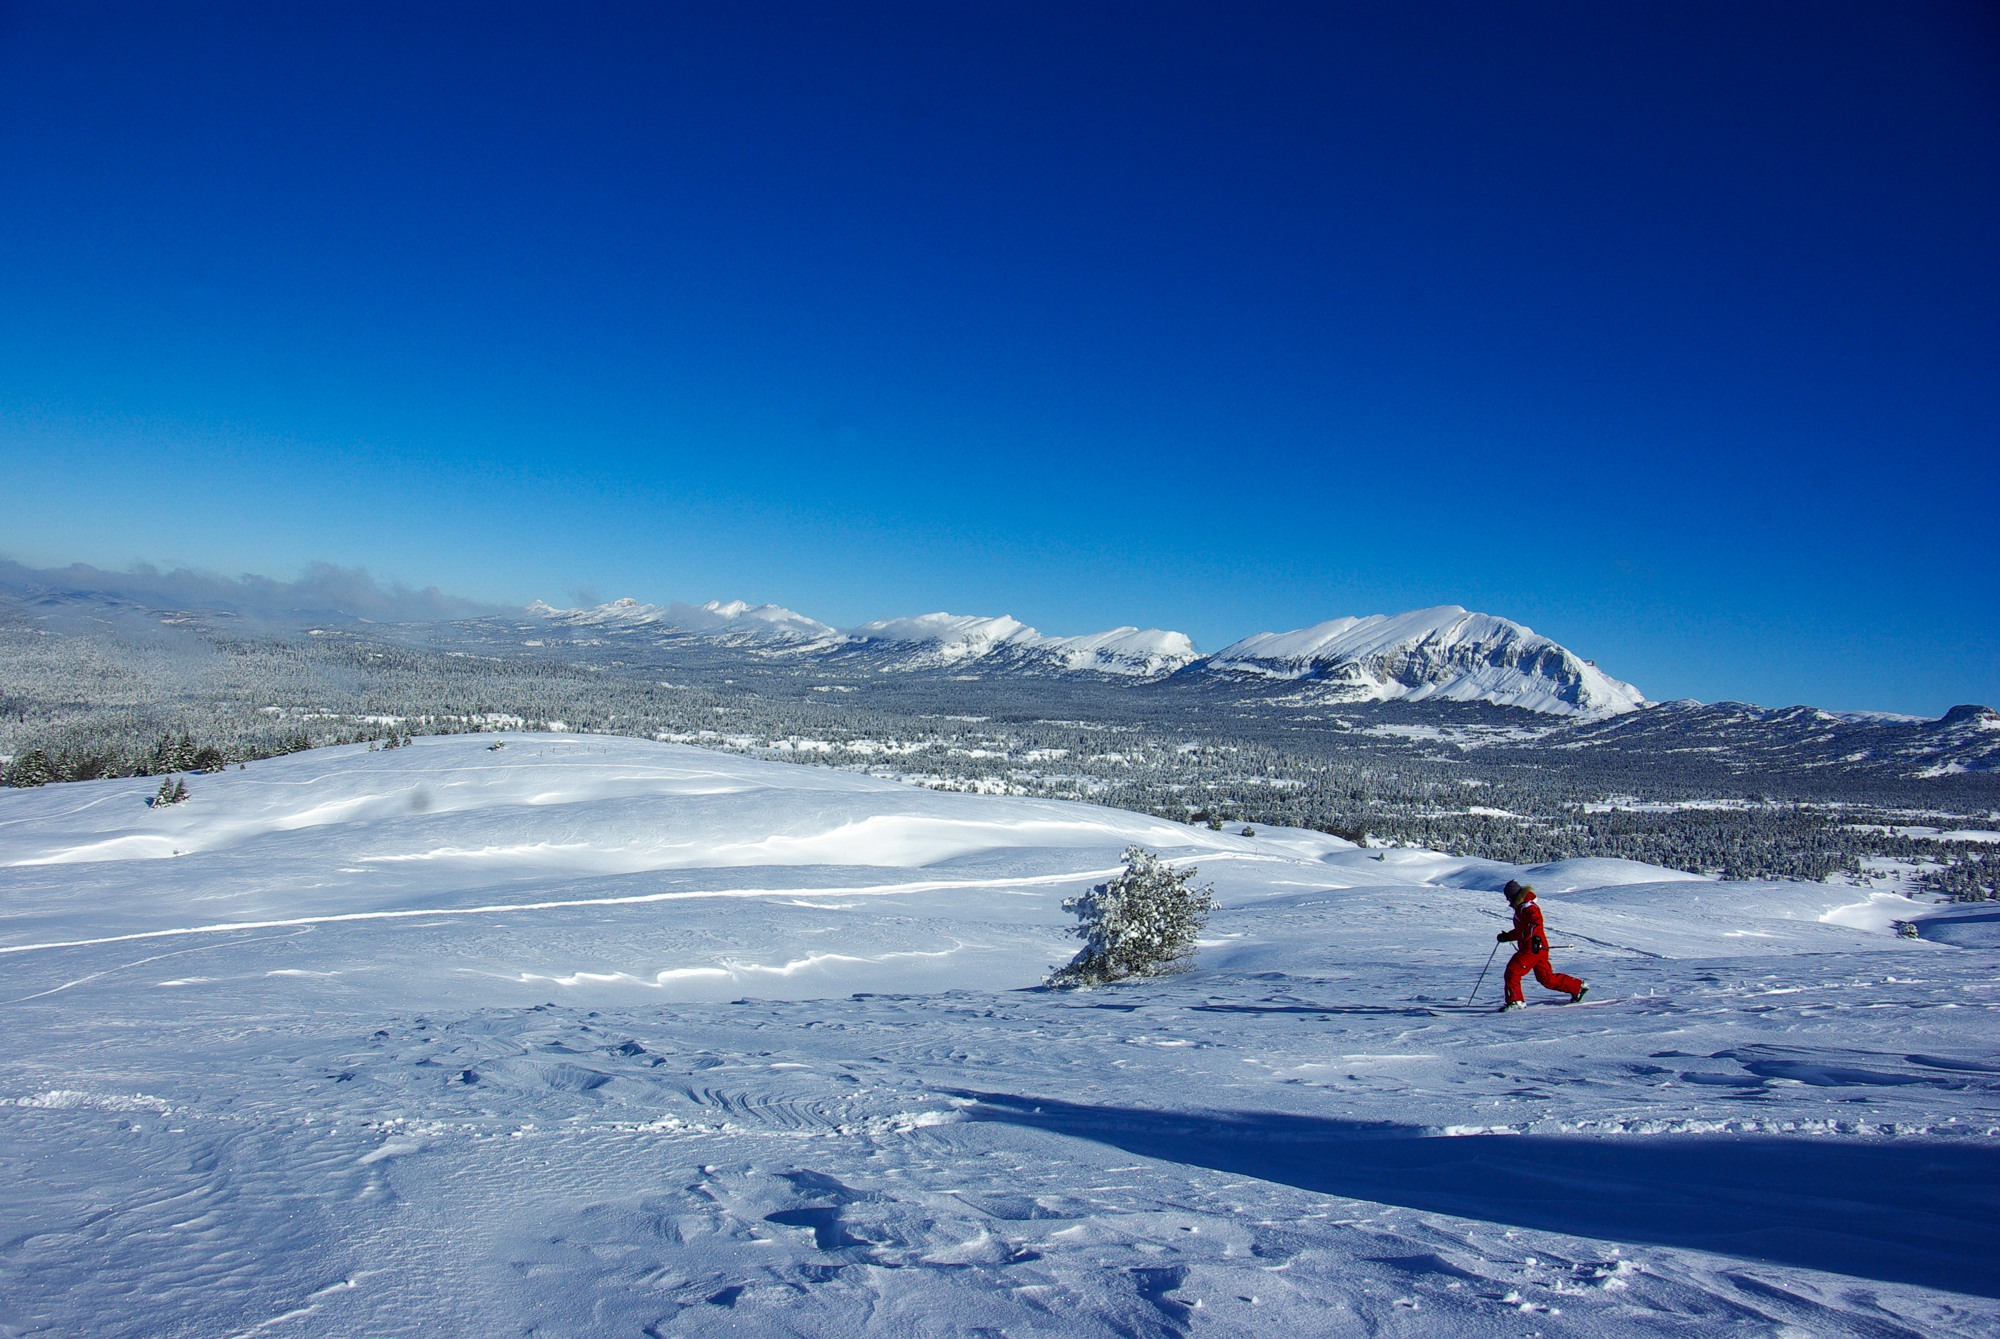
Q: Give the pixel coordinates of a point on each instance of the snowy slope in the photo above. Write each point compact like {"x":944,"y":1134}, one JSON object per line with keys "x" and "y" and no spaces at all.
{"x":591,"y":1036}
{"x":944,"y":641}
{"x":1964,"y":739}
{"x":1442,"y":653}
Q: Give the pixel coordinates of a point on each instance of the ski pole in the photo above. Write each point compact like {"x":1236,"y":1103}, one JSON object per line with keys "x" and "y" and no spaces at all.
{"x":1483,"y":971}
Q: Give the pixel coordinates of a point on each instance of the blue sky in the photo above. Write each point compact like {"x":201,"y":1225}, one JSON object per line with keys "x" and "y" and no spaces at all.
{"x":1673,"y":332}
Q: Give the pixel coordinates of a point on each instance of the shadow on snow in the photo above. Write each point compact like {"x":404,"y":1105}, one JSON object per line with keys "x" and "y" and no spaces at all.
{"x":1904,"y":1211}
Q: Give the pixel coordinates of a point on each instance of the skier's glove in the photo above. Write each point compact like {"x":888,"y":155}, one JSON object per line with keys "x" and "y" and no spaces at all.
{"x":1501,"y":937}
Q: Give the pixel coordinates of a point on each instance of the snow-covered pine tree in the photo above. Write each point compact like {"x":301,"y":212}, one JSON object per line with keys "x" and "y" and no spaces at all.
{"x":1141,"y":923}
{"x":32,"y":768}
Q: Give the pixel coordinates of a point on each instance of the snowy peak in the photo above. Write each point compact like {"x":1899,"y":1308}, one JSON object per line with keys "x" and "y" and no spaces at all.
{"x":1964,"y":739}
{"x":735,"y":619}
{"x":1446,"y":652}
{"x":956,"y":635}
{"x":945,"y":641}
{"x":940,"y":641}
{"x":737,"y":616}
{"x":1150,"y":652}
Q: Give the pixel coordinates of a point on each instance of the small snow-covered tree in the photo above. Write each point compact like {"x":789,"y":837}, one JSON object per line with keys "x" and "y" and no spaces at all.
{"x":175,"y":755}
{"x":1141,"y":923}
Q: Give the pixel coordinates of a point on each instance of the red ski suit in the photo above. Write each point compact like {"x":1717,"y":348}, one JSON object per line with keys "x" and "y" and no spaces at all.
{"x":1531,"y":951}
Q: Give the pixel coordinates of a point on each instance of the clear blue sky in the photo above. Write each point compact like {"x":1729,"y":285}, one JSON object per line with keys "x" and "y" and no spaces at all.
{"x":1672,"y":331}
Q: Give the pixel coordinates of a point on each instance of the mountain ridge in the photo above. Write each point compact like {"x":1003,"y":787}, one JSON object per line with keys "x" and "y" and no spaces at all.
{"x":1444,"y":652}
{"x":147,"y":606}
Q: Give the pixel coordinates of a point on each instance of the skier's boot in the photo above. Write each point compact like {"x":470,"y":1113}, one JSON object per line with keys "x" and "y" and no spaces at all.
{"x":1581,"y":991}
{"x":1510,"y":1006}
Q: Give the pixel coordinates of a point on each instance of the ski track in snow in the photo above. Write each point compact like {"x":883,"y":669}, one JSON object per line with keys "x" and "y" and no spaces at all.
{"x":295,"y":1084}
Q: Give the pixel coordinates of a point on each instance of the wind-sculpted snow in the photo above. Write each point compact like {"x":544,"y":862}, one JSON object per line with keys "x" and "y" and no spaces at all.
{"x":562,"y":804}
{"x":587,"y":1036}
{"x":1443,"y":653}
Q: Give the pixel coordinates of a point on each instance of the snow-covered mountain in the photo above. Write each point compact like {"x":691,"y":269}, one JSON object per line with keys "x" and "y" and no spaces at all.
{"x":943,"y":642}
{"x":1444,"y":652}
{"x":732,"y":621}
{"x":1004,"y":644}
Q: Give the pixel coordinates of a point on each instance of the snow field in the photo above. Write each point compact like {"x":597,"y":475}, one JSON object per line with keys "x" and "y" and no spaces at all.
{"x":592,"y":1036}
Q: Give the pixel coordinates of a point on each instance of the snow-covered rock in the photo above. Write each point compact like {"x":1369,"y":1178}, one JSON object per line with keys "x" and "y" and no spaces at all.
{"x":1433,"y":653}
{"x":1147,"y":652}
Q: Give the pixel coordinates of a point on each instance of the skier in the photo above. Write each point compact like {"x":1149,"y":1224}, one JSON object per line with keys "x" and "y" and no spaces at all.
{"x":1531,"y":950}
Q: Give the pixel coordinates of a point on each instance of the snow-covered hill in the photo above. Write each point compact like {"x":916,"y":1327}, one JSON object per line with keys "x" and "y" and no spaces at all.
{"x":1004,"y":645}
{"x":591,"y":1036}
{"x":732,"y":622}
{"x":1443,"y":653}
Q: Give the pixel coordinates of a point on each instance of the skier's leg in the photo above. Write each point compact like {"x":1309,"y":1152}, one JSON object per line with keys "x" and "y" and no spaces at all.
{"x":1517,"y":967}
{"x":1554,"y":980}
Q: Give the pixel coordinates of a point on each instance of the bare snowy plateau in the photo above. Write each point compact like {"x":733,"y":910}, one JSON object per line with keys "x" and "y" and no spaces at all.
{"x":567,"y":1034}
